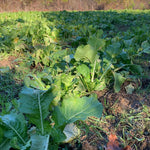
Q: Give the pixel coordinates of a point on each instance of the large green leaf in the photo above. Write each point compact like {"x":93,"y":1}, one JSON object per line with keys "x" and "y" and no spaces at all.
{"x":96,"y":43}
{"x":35,"y":103}
{"x":86,"y":53}
{"x":39,"y":142}
{"x":114,"y":49}
{"x":74,"y":109}
{"x":15,"y":127}
{"x":119,"y":80}
{"x":85,"y":71}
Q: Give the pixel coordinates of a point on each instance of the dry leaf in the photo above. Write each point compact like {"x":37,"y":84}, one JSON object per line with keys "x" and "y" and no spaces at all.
{"x":113,"y":144}
{"x":127,"y":148}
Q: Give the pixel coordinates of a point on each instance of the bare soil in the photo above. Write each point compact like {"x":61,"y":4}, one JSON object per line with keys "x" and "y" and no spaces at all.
{"x":120,"y":106}
{"x":8,"y":62}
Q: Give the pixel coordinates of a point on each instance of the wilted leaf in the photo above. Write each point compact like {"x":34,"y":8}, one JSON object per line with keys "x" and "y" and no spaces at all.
{"x":129,"y":89}
{"x":113,"y":144}
{"x":71,"y":131}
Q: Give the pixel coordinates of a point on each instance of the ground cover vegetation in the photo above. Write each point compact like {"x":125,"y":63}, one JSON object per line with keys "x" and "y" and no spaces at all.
{"x":75,"y":74}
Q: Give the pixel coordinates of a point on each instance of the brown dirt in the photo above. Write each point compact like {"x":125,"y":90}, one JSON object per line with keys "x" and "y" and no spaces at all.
{"x":8,"y":62}
{"x":118,"y":105}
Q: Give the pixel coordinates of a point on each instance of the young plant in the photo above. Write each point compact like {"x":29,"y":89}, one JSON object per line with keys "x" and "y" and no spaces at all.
{"x":43,"y":128}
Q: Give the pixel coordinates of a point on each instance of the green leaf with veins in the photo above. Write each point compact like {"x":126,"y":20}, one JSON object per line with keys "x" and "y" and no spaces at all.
{"x":74,"y":108}
{"x":86,"y":53}
{"x":15,"y":127}
{"x":35,"y":82}
{"x":35,"y":104}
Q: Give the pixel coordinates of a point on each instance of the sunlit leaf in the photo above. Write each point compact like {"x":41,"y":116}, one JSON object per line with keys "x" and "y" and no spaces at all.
{"x":74,"y":109}
{"x":86,"y":53}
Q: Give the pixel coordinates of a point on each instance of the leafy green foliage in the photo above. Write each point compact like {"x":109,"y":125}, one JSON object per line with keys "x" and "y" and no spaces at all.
{"x":74,"y":109}
{"x":35,"y":104}
{"x":113,"y":50}
{"x":85,"y":53}
{"x":67,"y":58}
{"x":85,"y":71}
{"x":15,"y":128}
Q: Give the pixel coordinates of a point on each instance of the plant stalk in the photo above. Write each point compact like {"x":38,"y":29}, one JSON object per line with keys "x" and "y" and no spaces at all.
{"x":41,"y":117}
{"x":92,"y":80}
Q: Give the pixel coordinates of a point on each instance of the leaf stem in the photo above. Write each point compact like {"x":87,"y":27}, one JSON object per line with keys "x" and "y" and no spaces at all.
{"x":92,"y":80}
{"x":47,"y":142}
{"x":41,"y":118}
{"x":17,"y":134}
{"x":105,"y":72}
